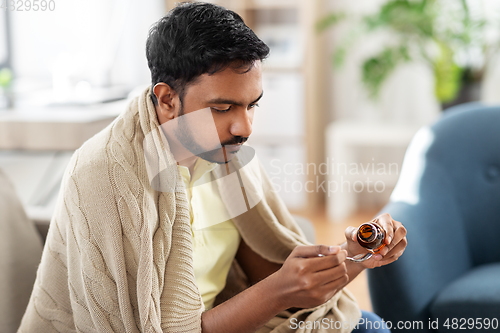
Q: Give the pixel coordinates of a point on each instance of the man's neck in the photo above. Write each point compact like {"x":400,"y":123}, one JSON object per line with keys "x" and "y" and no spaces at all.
{"x":189,"y":163}
{"x":181,"y":154}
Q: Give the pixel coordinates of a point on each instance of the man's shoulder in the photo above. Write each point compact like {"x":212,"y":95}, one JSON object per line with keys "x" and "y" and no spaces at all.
{"x":113,"y":145}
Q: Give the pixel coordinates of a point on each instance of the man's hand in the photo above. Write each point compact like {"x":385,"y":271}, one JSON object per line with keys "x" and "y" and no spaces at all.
{"x":304,"y":280}
{"x":307,"y":280}
{"x":395,"y":240}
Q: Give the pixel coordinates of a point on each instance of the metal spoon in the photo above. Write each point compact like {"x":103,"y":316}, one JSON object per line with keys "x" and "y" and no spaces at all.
{"x":360,"y":257}
{"x":357,"y":258}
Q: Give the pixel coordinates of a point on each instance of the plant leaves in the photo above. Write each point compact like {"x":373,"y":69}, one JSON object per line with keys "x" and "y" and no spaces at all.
{"x":447,"y":75}
{"x":329,"y":20}
{"x":376,"y":69}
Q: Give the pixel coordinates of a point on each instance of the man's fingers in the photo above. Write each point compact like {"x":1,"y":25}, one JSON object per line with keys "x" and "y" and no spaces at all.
{"x":350,"y":233}
{"x":332,"y":274}
{"x":399,"y":235}
{"x":314,"y":251}
{"x":319,"y":258}
{"x":327,"y":262}
{"x":340,"y":282}
{"x":399,"y":247}
{"x":386,"y":222}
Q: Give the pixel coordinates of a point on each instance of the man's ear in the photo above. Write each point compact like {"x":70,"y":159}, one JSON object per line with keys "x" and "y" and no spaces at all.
{"x":168,"y":101}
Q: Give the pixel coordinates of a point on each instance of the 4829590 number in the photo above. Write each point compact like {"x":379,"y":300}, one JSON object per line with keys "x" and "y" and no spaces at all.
{"x":471,"y":323}
{"x":28,"y":5}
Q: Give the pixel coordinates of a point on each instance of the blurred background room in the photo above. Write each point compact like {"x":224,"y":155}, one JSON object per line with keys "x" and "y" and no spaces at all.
{"x":347,"y":85}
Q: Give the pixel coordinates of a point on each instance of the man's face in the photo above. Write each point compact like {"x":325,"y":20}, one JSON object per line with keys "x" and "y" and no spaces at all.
{"x":231,"y":97}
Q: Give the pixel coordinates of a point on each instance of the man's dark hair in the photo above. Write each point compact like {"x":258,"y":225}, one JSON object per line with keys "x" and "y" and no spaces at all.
{"x":198,"y":38}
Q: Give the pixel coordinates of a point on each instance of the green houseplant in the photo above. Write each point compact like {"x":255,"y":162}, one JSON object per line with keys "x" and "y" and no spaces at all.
{"x":442,"y":34}
{"x":5,"y":82}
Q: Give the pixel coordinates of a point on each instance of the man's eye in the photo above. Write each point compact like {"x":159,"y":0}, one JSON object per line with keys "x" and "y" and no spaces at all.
{"x":251,"y":106}
{"x":221,"y":110}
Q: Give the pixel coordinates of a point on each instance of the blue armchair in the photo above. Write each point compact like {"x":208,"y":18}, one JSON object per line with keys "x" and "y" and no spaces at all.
{"x":448,"y":197}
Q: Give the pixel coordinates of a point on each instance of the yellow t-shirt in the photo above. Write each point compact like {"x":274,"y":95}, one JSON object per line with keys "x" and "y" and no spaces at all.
{"x":215,"y":243}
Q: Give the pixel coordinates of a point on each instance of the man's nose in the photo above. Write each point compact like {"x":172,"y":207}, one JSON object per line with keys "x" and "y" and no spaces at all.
{"x":242,"y":124}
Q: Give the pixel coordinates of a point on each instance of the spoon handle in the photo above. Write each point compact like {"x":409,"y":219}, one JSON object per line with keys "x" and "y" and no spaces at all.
{"x":357,"y":258}
{"x":360,"y":257}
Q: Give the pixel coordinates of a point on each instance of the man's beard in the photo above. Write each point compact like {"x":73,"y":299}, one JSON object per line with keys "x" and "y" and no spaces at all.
{"x":217,"y":155}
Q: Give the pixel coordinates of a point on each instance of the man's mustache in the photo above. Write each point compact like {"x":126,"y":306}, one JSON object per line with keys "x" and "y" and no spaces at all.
{"x":235,"y":141}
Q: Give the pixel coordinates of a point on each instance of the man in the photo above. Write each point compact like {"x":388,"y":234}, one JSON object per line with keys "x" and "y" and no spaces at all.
{"x":167,"y":223}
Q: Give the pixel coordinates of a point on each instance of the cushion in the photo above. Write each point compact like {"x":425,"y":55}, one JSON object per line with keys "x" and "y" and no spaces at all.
{"x":20,"y":252}
{"x":476,"y":294}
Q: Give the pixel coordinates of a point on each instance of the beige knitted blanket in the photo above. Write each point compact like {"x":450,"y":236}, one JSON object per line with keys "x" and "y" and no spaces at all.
{"x":118,"y":256}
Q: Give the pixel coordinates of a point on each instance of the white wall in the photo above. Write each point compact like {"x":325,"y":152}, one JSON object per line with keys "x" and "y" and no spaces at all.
{"x":3,"y":40}
{"x":85,"y":39}
{"x":406,"y":97}
{"x":491,"y":83}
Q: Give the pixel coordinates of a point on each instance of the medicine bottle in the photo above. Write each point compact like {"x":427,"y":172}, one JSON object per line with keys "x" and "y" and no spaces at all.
{"x":371,"y":236}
